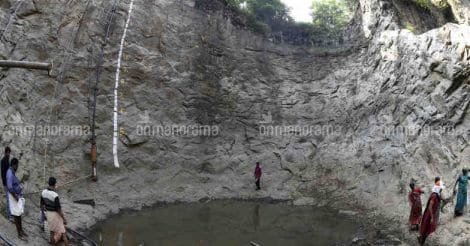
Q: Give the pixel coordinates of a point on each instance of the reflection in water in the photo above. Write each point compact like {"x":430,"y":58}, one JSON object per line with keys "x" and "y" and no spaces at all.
{"x":119,"y":242}
{"x":256,"y":217}
{"x":227,"y":223}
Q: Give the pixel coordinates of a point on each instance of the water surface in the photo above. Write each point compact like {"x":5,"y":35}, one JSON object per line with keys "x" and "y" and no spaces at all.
{"x":228,"y":223}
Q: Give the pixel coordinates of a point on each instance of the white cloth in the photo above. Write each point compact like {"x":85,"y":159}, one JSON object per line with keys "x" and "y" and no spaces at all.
{"x":16,"y":207}
{"x":437,"y":189}
{"x":49,"y":195}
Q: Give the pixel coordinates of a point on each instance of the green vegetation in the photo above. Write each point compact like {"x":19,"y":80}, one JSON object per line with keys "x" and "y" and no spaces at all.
{"x":271,"y":17}
{"x":425,"y":4}
{"x":410,"y":27}
{"x":331,"y":17}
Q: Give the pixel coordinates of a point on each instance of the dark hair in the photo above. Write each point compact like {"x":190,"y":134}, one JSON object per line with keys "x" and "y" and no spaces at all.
{"x":412,"y":185}
{"x":7,"y":149}
{"x":437,"y":179}
{"x":52,"y":181}
{"x":257,"y":163}
{"x":14,"y":161}
{"x":464,"y":171}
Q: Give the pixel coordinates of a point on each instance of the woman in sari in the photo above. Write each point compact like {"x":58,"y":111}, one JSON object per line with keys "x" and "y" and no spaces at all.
{"x":431,"y":213}
{"x":414,"y":198}
{"x":462,"y":193}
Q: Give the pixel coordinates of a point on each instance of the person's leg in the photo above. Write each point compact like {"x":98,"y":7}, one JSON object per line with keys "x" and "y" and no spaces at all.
{"x":21,"y":227}
{"x":257,"y":184}
{"x":64,"y":238}
{"x":18,"y":225}
{"x":51,"y":239}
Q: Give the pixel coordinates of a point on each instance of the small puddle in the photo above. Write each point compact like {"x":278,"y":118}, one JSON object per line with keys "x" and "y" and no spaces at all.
{"x":228,"y":223}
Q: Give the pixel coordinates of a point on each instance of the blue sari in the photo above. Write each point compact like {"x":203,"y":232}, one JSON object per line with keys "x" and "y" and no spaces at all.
{"x":461,"y":195}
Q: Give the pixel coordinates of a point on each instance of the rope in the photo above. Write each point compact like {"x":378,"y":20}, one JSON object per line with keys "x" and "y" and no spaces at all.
{"x":65,"y":52}
{"x":61,"y":186}
{"x":99,"y":66}
{"x":7,"y":242}
{"x":71,"y":231}
{"x":116,"y":87}
{"x":45,"y":161}
{"x":68,"y":229}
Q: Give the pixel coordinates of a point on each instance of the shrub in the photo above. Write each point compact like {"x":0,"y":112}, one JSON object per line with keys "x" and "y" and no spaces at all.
{"x":425,"y":4}
{"x":410,"y":27}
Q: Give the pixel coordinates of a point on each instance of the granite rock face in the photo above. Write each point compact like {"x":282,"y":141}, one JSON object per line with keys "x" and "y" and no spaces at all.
{"x":201,"y":100}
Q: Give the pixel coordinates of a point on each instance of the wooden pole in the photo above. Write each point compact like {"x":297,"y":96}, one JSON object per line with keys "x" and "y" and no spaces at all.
{"x":26,"y":64}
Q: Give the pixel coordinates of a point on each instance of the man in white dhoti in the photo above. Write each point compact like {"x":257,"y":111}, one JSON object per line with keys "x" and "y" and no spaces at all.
{"x":56,"y":222}
{"x":15,"y":197}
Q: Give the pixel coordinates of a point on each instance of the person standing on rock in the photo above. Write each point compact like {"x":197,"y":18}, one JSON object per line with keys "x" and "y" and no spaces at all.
{"x":5,"y":165}
{"x":462,"y":181}
{"x":414,"y":198}
{"x":15,"y":196}
{"x":258,"y":174}
{"x":56,"y":222}
{"x":431,"y":213}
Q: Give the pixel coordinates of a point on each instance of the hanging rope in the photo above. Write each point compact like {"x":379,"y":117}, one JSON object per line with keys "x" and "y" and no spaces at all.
{"x":61,"y":186}
{"x":45,"y":161}
{"x":67,"y":52}
{"x":99,"y":67}
{"x":6,"y":241}
{"x":116,"y":87}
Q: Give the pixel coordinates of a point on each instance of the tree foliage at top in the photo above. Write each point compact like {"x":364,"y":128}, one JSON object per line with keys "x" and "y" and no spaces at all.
{"x":331,"y":17}
{"x":271,"y":12}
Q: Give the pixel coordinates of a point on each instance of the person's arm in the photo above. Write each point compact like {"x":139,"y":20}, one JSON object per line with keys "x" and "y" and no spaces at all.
{"x":454,"y":191}
{"x":62,"y":215}
{"x":10,"y":186}
{"x":42,"y":206}
{"x":59,"y":210}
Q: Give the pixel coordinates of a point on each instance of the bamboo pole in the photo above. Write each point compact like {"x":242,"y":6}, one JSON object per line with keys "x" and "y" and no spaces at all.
{"x":26,"y":64}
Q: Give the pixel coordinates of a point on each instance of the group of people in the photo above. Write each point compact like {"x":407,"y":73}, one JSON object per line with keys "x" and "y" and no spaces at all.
{"x":50,"y":204}
{"x":426,"y":223}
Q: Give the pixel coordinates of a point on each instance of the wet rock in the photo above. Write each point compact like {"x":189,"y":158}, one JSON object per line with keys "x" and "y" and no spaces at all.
{"x":348,"y":213}
{"x":304,"y":201}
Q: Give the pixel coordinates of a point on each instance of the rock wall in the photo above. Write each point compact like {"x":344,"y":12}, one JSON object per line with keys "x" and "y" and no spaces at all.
{"x":339,"y":114}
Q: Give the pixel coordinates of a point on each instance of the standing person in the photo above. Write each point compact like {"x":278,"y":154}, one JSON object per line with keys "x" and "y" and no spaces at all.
{"x":56,"y":222}
{"x":431,"y":213}
{"x":5,"y":165}
{"x":15,"y":196}
{"x":462,"y":193}
{"x":414,"y":198}
{"x":258,"y":174}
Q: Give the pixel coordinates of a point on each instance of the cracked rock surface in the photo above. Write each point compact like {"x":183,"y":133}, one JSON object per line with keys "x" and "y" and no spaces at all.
{"x":186,"y":67}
